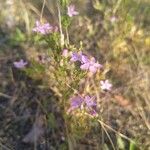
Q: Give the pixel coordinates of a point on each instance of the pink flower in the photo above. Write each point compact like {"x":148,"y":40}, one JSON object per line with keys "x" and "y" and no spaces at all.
{"x":113,"y":19}
{"x":76,"y":56}
{"x":71,"y":11}
{"x":44,"y":28}
{"x":90,"y":101}
{"x":105,"y":85}
{"x":84,"y":59}
{"x":91,"y":65}
{"x":65,"y":53}
{"x":86,"y":63}
{"x":76,"y":102}
{"x":20,"y":64}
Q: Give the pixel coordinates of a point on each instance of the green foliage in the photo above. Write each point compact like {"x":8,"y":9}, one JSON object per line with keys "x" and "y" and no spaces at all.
{"x":105,"y":147}
{"x":17,"y":37}
{"x":53,"y":41}
{"x":99,"y":5}
{"x":35,"y":70}
{"x":64,"y":3}
{"x":63,"y":147}
{"x":51,"y":121}
{"x":146,"y":59}
{"x":66,"y":21}
{"x":120,"y":143}
{"x":132,"y":146}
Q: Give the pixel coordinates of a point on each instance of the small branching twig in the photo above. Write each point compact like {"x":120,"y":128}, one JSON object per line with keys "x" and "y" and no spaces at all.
{"x":5,"y":95}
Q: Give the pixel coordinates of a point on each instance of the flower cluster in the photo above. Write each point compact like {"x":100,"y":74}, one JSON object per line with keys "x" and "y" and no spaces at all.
{"x":87,"y":103}
{"x":44,"y":28}
{"x":86,"y":64}
{"x":90,"y":64}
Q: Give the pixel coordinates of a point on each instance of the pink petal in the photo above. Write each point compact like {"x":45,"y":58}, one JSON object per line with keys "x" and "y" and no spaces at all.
{"x":85,"y":66}
{"x":93,"y":69}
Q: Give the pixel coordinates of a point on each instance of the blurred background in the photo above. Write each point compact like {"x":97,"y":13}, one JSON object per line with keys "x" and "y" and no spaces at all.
{"x":116,"y":32}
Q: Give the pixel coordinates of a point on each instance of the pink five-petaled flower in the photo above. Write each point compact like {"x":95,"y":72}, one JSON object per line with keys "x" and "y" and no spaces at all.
{"x":75,"y":57}
{"x":91,"y":65}
{"x":44,"y":28}
{"x":84,"y":59}
{"x":113,"y":19}
{"x":65,"y":53}
{"x":71,"y":11}
{"x":91,"y":105}
{"x":76,"y":102}
{"x":20,"y":64}
{"x":105,"y":85}
{"x":90,"y":101}
{"x":78,"y":57}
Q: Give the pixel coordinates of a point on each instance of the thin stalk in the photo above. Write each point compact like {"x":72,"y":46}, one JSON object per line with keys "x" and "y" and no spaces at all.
{"x":5,"y":95}
{"x":113,"y":146}
{"x":41,"y":15}
{"x":60,"y":26}
{"x":117,"y":6}
{"x":67,"y":34}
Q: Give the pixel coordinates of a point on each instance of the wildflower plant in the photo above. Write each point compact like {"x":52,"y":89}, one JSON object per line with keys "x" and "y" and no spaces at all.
{"x":73,"y":74}
{"x":80,"y":79}
{"x":44,"y":28}
{"x":77,"y":78}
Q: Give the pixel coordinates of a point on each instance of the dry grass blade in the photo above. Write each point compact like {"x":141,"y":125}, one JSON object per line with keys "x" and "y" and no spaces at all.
{"x":34,"y":9}
{"x":5,"y":95}
{"x":44,"y":2}
{"x":36,"y":132}
{"x":113,"y":146}
{"x":3,"y":147}
{"x":118,"y":133}
{"x":143,"y":116}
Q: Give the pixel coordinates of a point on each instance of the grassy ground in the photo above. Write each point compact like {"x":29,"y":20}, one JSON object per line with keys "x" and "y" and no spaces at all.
{"x":30,"y":115}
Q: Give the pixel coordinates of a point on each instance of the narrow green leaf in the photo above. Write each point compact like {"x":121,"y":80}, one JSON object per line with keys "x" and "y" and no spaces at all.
{"x":132,"y":146}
